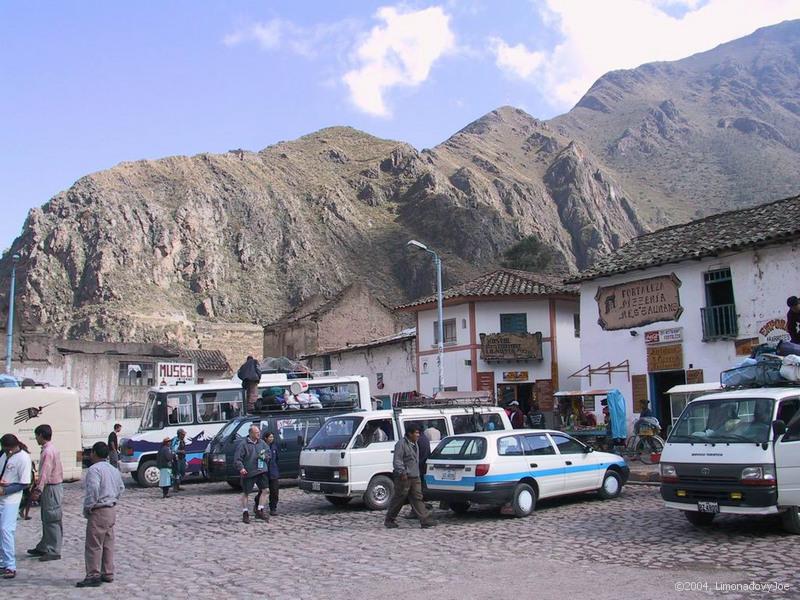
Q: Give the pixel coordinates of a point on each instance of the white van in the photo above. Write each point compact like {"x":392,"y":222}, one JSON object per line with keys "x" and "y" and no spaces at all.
{"x":351,"y":455}
{"x":23,"y":409}
{"x":736,"y":452}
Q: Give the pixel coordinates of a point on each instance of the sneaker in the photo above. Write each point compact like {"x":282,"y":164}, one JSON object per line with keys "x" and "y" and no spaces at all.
{"x":48,"y":557}
{"x":390,"y":524}
{"x":93,"y":582}
{"x":428,"y":524}
{"x":9,"y":574}
{"x":107,"y":578}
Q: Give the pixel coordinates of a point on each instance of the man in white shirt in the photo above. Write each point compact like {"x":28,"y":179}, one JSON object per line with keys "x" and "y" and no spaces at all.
{"x":15,"y":475}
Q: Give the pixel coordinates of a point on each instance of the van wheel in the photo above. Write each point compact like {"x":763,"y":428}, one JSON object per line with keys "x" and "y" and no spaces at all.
{"x":612,"y":486}
{"x":524,"y":500}
{"x":791,"y":519}
{"x":459,"y":507}
{"x":147,"y":474}
{"x":699,"y":519}
{"x":338,"y":500}
{"x":379,"y":493}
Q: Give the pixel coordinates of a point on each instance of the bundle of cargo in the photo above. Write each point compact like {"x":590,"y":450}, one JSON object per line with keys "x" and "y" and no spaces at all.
{"x":763,"y":370}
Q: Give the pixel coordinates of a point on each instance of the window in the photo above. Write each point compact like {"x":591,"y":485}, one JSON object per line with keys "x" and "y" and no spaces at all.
{"x":219,"y":406}
{"x":537,"y":445}
{"x":509,"y":446}
{"x":566,"y":445}
{"x":244,"y":429}
{"x":719,"y":315}
{"x":297,"y":430}
{"x":463,"y":448}
{"x":336,"y":395}
{"x":335,"y":434}
{"x":477,"y":422}
{"x":137,"y":374}
{"x":433,"y":429}
{"x":788,"y":410}
{"x":375,"y":430}
{"x":514,"y":323}
{"x":326,"y":363}
{"x":449,"y":331}
{"x":179,"y":409}
{"x":576,"y":323}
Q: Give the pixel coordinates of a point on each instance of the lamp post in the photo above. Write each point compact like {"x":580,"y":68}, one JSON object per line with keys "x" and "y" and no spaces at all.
{"x":10,"y":325}
{"x":439,"y":301}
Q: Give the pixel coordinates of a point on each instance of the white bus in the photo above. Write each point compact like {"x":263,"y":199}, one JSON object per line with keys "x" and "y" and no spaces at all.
{"x":204,"y":409}
{"x":23,"y":409}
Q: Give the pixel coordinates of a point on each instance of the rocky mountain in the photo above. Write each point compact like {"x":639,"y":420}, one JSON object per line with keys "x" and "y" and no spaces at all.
{"x":715,"y":131}
{"x":144,"y":250}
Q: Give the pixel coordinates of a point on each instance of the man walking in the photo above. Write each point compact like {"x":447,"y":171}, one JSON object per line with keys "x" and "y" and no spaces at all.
{"x":15,"y":475}
{"x":178,"y":447}
{"x":49,"y":491}
{"x":407,"y":484}
{"x":252,"y":461}
{"x":103,"y":488}
{"x":113,"y":446}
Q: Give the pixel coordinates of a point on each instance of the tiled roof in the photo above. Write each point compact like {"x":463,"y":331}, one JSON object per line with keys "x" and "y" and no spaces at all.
{"x":730,"y":231}
{"x":208,"y":360}
{"x":502,"y":282}
{"x":400,"y":336}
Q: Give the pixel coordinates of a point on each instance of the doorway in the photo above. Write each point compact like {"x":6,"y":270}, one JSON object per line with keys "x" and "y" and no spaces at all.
{"x":521,"y":392}
{"x":660,"y":383}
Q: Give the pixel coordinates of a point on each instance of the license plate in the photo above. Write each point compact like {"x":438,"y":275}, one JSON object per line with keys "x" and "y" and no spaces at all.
{"x":708,"y":507}
{"x":315,"y":486}
{"x":449,"y":475}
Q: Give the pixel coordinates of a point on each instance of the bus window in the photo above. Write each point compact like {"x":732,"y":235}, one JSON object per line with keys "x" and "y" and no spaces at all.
{"x":336,"y":395}
{"x":179,"y":409}
{"x":221,"y":405}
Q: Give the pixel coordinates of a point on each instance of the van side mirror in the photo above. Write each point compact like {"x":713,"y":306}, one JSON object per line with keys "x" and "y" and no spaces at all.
{"x":587,"y":449}
{"x":778,"y":429}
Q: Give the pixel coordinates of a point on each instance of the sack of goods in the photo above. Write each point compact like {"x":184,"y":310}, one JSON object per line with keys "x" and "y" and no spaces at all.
{"x":760,"y":371}
{"x":790,"y":369}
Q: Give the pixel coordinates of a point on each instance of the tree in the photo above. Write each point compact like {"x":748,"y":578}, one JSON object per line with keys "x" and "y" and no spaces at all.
{"x":528,"y":254}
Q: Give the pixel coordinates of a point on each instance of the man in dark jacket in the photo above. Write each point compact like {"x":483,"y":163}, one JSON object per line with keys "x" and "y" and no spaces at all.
{"x":793,"y":319}
{"x":424,"y":445}
{"x":407,"y":485}
{"x":252,"y":461}
{"x":250,"y":374}
{"x":536,"y":418}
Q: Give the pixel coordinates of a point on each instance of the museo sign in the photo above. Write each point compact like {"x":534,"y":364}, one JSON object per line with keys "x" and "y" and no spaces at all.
{"x":639,"y":302}
{"x":511,"y":346}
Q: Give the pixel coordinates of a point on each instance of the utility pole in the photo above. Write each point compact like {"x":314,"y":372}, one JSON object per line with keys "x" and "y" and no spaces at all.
{"x":437,"y":262}
{"x":10,"y":325}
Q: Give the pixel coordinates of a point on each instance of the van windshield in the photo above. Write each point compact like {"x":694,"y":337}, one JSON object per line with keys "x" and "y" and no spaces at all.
{"x":335,"y":434}
{"x":150,"y":418}
{"x":724,"y":420}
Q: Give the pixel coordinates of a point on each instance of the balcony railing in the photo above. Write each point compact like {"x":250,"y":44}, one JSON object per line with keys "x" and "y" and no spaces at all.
{"x":719,"y":322}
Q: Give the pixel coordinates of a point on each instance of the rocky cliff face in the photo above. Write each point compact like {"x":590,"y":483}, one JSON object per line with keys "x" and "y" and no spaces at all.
{"x":141,"y":251}
{"x":144,"y":250}
{"x":715,"y":131}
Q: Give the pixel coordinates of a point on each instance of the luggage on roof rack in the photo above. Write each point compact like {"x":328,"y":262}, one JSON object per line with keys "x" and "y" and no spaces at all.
{"x":447,"y":399}
{"x":760,"y":372}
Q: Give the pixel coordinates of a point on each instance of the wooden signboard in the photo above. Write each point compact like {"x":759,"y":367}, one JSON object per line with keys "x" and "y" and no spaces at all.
{"x":639,"y":302}
{"x":639,"y":384}
{"x":511,"y":346}
{"x":745,"y":347}
{"x":665,"y":358}
{"x":486,"y":381}
{"x":694,"y":376}
{"x":515,"y":376}
{"x":543,"y":388}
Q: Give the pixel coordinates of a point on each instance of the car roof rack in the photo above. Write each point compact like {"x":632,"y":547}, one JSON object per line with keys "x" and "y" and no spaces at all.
{"x":448,"y":399}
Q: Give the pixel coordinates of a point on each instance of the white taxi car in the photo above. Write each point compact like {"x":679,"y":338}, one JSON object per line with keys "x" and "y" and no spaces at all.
{"x":517,"y":468}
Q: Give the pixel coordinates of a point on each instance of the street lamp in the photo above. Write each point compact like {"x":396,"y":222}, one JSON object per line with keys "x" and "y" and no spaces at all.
{"x":10,"y":325}
{"x":439,"y":300}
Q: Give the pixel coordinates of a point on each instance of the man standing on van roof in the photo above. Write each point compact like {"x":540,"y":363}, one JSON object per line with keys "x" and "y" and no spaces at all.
{"x":252,"y":460}
{"x":793,"y":319}
{"x":50,"y":492}
{"x":407,"y":482}
{"x":250,"y":374}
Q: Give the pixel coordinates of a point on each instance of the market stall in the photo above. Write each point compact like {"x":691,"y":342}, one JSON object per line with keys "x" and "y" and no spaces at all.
{"x":590,"y":415}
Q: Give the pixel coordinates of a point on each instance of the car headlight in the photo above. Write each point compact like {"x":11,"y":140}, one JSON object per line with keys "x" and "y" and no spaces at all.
{"x":760,"y":475}
{"x":668,"y":472}
{"x":302,"y":472}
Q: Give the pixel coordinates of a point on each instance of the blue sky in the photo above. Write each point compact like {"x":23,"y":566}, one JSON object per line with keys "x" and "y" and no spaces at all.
{"x":85,"y":85}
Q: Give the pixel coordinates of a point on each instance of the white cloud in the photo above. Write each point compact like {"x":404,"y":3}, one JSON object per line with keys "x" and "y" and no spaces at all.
{"x":598,"y":37}
{"x":399,"y":52}
{"x":280,"y":34}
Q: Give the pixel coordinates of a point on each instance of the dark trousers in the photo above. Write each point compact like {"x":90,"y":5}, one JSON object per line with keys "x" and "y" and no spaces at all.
{"x":273,"y":493}
{"x":407,"y":489}
{"x":178,"y":472}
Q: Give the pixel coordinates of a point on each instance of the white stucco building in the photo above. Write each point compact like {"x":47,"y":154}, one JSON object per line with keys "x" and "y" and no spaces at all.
{"x":513,"y":333}
{"x":684,"y":303}
{"x":387,"y":362}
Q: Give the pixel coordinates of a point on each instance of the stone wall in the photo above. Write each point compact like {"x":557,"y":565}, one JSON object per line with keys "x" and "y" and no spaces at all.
{"x":358,"y":318}
{"x":235,"y":340}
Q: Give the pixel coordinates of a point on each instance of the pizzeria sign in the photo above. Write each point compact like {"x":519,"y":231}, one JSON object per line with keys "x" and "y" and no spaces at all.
{"x":638,"y":303}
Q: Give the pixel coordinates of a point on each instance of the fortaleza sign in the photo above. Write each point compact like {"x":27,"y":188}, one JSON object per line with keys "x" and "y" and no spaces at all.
{"x":639,"y":302}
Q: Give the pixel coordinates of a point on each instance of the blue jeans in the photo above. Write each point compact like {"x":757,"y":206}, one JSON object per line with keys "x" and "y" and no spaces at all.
{"x":8,"y":525}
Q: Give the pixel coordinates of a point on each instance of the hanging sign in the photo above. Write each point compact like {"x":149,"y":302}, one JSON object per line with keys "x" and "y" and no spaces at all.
{"x":639,"y":302}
